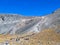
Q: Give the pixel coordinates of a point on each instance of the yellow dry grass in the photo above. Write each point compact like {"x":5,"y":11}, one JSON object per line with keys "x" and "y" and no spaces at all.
{"x":45,"y":37}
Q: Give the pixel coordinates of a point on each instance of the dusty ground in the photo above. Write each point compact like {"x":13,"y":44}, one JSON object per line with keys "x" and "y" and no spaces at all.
{"x":45,"y":37}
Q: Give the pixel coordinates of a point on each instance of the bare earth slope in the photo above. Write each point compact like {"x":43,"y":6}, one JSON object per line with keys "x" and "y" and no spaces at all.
{"x":46,"y":37}
{"x":22,"y":30}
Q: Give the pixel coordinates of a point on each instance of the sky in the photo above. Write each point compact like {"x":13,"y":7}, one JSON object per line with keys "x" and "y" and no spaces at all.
{"x":29,"y":7}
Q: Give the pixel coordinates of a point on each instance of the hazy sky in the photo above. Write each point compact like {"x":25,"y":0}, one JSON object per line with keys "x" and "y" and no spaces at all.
{"x":29,"y":7}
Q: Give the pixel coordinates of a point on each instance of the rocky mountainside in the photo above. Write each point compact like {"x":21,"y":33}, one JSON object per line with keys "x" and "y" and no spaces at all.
{"x":23,"y":30}
{"x":17,"y":24}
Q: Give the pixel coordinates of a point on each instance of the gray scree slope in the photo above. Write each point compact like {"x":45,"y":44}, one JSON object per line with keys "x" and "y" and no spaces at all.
{"x":17,"y":24}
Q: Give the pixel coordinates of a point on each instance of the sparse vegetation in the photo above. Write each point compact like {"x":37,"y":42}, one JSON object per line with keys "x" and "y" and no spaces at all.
{"x":45,"y":37}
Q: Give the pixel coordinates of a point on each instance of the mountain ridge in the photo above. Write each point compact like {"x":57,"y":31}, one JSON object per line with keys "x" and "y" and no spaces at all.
{"x":14,"y":23}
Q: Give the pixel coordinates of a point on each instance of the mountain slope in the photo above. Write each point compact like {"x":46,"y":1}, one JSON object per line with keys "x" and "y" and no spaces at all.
{"x":23,"y":30}
{"x":16,"y":24}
